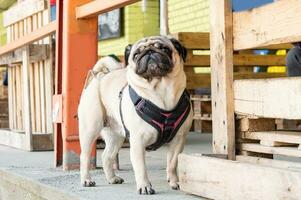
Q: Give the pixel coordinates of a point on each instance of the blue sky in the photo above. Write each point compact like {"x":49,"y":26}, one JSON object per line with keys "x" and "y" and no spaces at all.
{"x":239,"y":5}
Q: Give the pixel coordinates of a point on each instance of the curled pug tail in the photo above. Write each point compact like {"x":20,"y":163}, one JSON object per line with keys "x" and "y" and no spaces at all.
{"x":103,"y":66}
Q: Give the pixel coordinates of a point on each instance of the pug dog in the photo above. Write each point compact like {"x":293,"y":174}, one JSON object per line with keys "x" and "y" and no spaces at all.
{"x":155,"y":72}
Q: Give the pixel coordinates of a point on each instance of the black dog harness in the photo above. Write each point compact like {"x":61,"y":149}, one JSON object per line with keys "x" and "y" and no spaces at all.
{"x":167,"y":123}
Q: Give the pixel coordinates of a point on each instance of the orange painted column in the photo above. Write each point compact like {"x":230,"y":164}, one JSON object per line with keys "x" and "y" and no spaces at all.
{"x":79,"y":41}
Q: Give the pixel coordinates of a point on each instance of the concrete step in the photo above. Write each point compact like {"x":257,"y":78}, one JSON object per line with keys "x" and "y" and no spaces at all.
{"x":16,"y":187}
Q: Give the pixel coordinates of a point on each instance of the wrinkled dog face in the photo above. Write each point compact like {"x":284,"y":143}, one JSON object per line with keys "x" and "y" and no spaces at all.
{"x":152,"y":57}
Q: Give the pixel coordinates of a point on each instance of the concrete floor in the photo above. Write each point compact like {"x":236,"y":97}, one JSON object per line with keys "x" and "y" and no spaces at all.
{"x":38,"y":166}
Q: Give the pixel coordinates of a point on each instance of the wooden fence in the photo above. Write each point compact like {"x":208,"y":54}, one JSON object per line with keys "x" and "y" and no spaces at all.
{"x":30,"y":75}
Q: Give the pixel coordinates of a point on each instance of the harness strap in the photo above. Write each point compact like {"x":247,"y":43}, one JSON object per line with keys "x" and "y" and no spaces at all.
{"x":167,"y":123}
{"x":127,"y":132}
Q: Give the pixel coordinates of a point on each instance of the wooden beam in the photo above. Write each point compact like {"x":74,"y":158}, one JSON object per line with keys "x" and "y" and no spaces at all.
{"x":269,"y":162}
{"x":292,"y":137}
{"x":203,"y":80}
{"x":37,"y":52}
{"x":269,"y":98}
{"x":200,"y":41}
{"x":216,"y":178}
{"x":26,"y":100}
{"x":38,"y":34}
{"x":253,"y":28}
{"x":222,"y":77}
{"x":23,"y":10}
{"x":97,"y":7}
{"x":285,"y":151}
{"x":239,"y":60}
{"x":194,"y":40}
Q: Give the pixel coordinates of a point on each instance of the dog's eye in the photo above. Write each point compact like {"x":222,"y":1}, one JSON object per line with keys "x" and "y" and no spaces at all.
{"x":135,"y":55}
{"x":166,"y":50}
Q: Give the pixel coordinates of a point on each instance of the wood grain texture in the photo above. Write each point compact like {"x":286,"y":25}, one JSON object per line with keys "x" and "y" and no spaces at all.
{"x":273,"y":23}
{"x":97,"y":7}
{"x":30,"y":38}
{"x":23,"y":10}
{"x":222,"y":77}
{"x":216,"y":178}
{"x":285,"y":151}
{"x":293,"y":137}
{"x":269,"y":98}
{"x":239,"y":60}
{"x":26,"y":100}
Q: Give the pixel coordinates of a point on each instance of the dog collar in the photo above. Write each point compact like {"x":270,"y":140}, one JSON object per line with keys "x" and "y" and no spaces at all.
{"x":167,"y":123}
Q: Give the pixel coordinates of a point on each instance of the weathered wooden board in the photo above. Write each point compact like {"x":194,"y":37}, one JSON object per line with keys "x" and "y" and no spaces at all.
{"x":217,"y":178}
{"x":285,"y":151}
{"x":23,"y":10}
{"x":239,"y":60}
{"x":36,"y":53}
{"x":274,"y":23}
{"x":221,"y":62}
{"x":203,"y":80}
{"x":269,"y":98}
{"x":293,"y":137}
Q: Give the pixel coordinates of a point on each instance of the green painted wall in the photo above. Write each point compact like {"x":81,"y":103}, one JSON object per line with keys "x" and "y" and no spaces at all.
{"x":188,"y":16}
{"x":136,"y":26}
{"x":2,"y":31}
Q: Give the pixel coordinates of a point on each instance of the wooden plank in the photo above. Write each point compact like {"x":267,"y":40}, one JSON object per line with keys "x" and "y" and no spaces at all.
{"x":194,"y":40}
{"x":222,"y":77}
{"x":216,"y":178}
{"x":37,"y":53}
{"x":200,"y":41}
{"x":14,"y":97}
{"x":285,"y":151}
{"x":37,"y":97}
{"x":8,"y":34}
{"x":42,"y":96}
{"x":23,"y":10}
{"x":97,"y":7}
{"x":19,"y":98}
{"x":239,"y":60}
{"x":269,"y":162}
{"x":251,"y":125}
{"x":293,"y":137}
{"x":269,"y":98}
{"x":10,"y":97}
{"x":253,"y":28}
{"x":30,"y":38}
{"x":26,"y":100}
{"x":203,"y":80}
{"x":32,"y":97}
{"x":29,"y":24}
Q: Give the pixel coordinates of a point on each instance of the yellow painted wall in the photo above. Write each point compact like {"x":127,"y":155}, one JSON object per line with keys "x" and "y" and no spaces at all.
{"x":2,"y":31}
{"x":188,"y":15}
{"x":137,"y":25}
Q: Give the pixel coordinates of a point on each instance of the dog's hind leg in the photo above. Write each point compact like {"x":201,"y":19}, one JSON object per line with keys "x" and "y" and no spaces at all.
{"x":86,"y":142}
{"x":174,"y":149}
{"x":113,"y":142}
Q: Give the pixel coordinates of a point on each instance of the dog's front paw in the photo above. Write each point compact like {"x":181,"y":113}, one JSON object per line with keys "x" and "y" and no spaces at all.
{"x":147,"y":190}
{"x":174,"y":185}
{"x":116,"y":180}
{"x":89,"y":183}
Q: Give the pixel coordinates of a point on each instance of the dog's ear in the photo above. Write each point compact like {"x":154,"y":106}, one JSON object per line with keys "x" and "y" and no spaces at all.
{"x":180,"y":48}
{"x":127,"y":52}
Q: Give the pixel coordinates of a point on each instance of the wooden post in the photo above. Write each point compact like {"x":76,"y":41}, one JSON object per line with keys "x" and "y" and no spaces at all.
{"x":26,"y":99}
{"x":221,"y":46}
{"x":79,"y":54}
